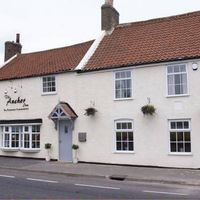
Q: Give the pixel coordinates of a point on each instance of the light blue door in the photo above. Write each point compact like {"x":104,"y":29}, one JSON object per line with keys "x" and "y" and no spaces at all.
{"x":65,"y":140}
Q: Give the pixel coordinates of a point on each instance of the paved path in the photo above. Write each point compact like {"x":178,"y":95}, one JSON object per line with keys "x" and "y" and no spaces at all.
{"x":147,"y":174}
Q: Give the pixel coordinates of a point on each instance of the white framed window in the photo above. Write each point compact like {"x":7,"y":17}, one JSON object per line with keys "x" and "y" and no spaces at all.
{"x":21,"y":137}
{"x":123,"y":84}
{"x":11,"y":136}
{"x":124,"y":136}
{"x":180,"y":136}
{"x":49,"y":84}
{"x":177,"y":80}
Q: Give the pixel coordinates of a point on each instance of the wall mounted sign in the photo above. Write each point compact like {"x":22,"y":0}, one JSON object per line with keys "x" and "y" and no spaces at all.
{"x":14,"y":104}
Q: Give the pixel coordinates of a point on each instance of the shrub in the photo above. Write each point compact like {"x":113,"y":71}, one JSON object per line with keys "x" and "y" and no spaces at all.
{"x":75,"y":146}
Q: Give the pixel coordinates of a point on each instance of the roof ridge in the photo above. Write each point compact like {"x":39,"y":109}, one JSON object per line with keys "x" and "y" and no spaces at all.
{"x":160,"y":19}
{"x":47,"y":50}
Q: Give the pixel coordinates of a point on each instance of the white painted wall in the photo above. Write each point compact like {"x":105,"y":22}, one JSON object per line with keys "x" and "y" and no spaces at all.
{"x":150,"y":132}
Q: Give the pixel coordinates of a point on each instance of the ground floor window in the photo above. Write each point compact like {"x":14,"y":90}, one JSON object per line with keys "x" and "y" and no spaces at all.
{"x":25,"y":137}
{"x":180,"y":136}
{"x":124,"y":135}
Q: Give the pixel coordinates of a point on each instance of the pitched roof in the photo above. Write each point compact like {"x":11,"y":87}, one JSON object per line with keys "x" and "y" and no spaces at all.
{"x":157,"y":40}
{"x":63,"y":110}
{"x":45,"y":62}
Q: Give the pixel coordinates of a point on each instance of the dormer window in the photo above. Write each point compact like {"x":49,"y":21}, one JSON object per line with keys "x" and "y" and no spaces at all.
{"x":49,"y":84}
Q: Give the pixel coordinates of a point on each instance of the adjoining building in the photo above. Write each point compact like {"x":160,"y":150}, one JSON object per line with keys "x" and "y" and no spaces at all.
{"x":129,"y":97}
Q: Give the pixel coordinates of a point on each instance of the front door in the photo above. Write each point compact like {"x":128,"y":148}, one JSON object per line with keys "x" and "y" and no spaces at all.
{"x":65,"y":140}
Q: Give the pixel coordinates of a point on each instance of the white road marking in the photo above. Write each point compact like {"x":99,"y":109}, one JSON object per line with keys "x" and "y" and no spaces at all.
{"x":6,"y":176}
{"x":160,"y":192}
{"x":97,"y":186}
{"x":41,"y":180}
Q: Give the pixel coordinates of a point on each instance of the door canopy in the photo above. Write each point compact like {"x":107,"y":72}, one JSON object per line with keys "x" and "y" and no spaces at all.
{"x":63,"y":111}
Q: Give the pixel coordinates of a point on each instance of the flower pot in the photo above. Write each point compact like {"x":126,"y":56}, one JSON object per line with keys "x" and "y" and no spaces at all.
{"x":75,"y":158}
{"x":47,"y":158}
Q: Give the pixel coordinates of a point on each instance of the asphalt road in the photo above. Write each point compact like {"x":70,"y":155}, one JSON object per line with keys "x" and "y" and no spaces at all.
{"x":28,"y":185}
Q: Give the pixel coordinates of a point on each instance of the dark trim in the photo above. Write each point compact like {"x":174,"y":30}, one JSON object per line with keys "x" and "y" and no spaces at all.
{"x":21,"y":121}
{"x":135,"y":65}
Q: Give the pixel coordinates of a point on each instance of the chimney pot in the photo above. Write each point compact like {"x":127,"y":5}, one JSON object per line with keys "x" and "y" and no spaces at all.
{"x":18,"y":38}
{"x":109,"y":2}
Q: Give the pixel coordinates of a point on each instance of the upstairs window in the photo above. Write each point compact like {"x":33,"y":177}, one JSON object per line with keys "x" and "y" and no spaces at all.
{"x":177,"y":80}
{"x":49,"y":84}
{"x":123,"y":85}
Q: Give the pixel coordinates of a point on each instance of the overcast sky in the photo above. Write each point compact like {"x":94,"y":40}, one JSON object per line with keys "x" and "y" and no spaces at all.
{"x":46,"y":24}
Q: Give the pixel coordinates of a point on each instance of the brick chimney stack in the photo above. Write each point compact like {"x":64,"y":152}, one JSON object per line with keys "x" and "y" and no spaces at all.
{"x":109,"y":16}
{"x":12,"y":48}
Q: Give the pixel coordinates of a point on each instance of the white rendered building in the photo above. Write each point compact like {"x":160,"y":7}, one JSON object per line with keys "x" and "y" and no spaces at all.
{"x":91,"y":94}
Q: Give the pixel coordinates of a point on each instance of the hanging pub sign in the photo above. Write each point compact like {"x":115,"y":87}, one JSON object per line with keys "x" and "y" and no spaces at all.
{"x":14,"y":104}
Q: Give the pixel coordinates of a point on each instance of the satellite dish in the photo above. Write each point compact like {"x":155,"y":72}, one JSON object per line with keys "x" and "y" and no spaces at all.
{"x":194,"y":66}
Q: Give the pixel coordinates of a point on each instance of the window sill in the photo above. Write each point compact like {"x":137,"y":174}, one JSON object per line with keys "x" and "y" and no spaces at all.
{"x":10,"y":149}
{"x":49,"y":93}
{"x":181,"y":95}
{"x":123,"y":99}
{"x":30,"y":150}
{"x":124,"y":152}
{"x":180,"y":154}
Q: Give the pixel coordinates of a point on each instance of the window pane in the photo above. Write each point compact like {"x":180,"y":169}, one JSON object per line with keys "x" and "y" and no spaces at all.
{"x":180,"y":147}
{"x":173,"y":136}
{"x":119,"y":126}
{"x":130,"y":136}
{"x":123,"y":74}
{"x":186,"y":125}
{"x":173,"y":125}
{"x":117,"y":75}
{"x":119,"y":146}
{"x":124,"y":136}
{"x":128,"y":93}
{"x":177,"y":89}
{"x":124,"y":125}
{"x":180,"y":136}
{"x":6,"y":129}
{"x":182,"y":68}
{"x":26,"y":128}
{"x":187,"y":147}
{"x":170,"y":69}
{"x":171,"y":90}
{"x":128,"y":74}
{"x":173,"y":147}
{"x":170,"y":79}
{"x":187,"y":136}
{"x":176,"y":68}
{"x":129,"y":125}
{"x":125,"y":146}
{"x":117,"y":94}
{"x":179,"y":125}
{"x":118,"y":136}
{"x":117,"y":84}
{"x":128,"y":82}
{"x":130,"y":146}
